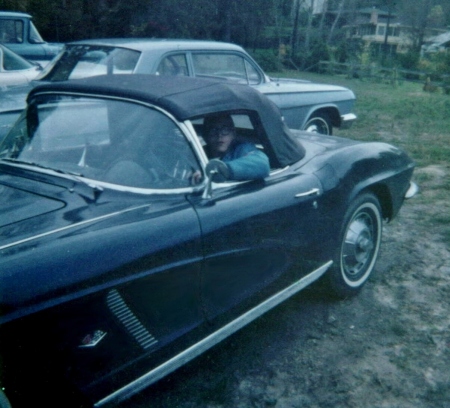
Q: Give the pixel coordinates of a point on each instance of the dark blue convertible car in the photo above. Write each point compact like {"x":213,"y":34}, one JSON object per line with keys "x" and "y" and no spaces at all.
{"x":118,"y":265}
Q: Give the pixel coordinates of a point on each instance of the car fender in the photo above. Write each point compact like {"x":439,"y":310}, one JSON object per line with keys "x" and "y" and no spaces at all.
{"x":331,"y":110}
{"x":298,"y":108}
{"x":381,"y":168}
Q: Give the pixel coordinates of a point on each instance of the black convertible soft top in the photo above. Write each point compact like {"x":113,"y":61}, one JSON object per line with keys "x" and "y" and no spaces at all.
{"x":188,"y":98}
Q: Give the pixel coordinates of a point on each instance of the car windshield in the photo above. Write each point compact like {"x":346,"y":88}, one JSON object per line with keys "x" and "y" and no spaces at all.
{"x":109,"y":141}
{"x":82,"y":61}
{"x":34,"y":36}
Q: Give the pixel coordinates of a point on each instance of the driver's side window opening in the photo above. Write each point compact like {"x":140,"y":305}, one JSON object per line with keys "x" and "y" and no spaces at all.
{"x":248,"y":129}
{"x":245,"y":131}
{"x":235,"y":146}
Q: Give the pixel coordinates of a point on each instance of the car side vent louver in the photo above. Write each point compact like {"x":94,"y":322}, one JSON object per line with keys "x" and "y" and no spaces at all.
{"x":131,"y":323}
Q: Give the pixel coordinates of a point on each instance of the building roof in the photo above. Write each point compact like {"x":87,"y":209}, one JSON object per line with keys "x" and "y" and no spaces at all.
{"x":440,"y":39}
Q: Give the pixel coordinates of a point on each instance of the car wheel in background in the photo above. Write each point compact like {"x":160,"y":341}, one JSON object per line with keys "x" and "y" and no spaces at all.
{"x":360,"y":240}
{"x":319,"y":123}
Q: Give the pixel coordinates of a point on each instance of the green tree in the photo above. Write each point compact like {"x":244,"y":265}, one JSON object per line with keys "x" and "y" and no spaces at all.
{"x":418,"y":15}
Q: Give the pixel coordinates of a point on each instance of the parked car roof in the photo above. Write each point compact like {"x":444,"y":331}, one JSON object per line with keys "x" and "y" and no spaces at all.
{"x":14,"y":14}
{"x":187,"y":98}
{"x":160,"y":43}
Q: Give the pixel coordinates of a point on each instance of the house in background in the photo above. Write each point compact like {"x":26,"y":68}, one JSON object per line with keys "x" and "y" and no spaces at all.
{"x":440,"y":43}
{"x":377,"y":27}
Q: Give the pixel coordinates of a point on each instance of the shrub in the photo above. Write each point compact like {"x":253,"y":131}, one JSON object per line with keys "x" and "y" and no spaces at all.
{"x":437,"y":65}
{"x":268,"y":61}
{"x":409,"y":60}
{"x":309,"y":59}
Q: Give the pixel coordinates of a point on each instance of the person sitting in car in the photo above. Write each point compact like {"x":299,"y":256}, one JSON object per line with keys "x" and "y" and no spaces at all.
{"x":242,"y":159}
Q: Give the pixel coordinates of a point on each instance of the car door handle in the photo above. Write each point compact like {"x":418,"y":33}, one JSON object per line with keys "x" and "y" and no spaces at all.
{"x":312,"y":192}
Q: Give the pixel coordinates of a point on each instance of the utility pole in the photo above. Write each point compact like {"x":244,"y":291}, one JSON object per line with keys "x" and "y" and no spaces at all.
{"x":390,"y":5}
{"x":295,"y":28}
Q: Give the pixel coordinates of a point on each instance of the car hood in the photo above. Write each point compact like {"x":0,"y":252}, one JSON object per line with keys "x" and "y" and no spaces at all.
{"x":18,"y":205}
{"x":27,"y":208}
{"x":35,"y":205}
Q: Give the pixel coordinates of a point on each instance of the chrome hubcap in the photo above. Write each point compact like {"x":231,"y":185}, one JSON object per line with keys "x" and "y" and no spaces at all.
{"x":317,"y":125}
{"x":359,"y":245}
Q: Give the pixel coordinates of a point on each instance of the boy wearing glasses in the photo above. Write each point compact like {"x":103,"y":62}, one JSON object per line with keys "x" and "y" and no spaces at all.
{"x":243,"y":160}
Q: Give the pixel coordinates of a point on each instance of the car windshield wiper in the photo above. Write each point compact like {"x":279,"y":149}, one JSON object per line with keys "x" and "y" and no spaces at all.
{"x":91,"y":194}
{"x":41,"y":166}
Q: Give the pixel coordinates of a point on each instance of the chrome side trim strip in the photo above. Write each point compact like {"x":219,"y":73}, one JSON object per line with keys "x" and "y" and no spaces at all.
{"x":210,"y":341}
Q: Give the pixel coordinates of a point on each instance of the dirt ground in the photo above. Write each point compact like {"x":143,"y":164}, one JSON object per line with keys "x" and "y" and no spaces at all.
{"x":388,"y":347}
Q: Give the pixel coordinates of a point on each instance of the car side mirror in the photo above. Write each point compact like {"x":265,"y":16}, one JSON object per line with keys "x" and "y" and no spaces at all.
{"x":216,"y":171}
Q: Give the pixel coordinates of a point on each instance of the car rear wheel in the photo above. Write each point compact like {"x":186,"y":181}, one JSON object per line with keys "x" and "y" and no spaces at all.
{"x":359,"y":246}
{"x":319,"y":123}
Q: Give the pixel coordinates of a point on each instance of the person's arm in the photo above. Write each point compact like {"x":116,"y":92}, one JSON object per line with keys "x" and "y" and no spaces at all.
{"x":247,"y":163}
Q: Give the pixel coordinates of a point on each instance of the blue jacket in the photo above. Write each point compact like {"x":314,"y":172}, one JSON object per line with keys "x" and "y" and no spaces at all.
{"x":246,"y":162}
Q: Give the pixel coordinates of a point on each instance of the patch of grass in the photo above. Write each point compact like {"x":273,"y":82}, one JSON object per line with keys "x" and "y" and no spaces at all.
{"x":399,"y":330}
{"x":446,"y":184}
{"x":439,"y":395}
{"x":442,"y":219}
{"x":446,"y":236}
{"x":424,"y":177}
{"x":427,"y":153}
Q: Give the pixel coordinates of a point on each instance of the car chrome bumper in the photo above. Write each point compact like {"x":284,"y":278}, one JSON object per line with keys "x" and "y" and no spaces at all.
{"x":347,"y":120}
{"x":412,"y":190}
